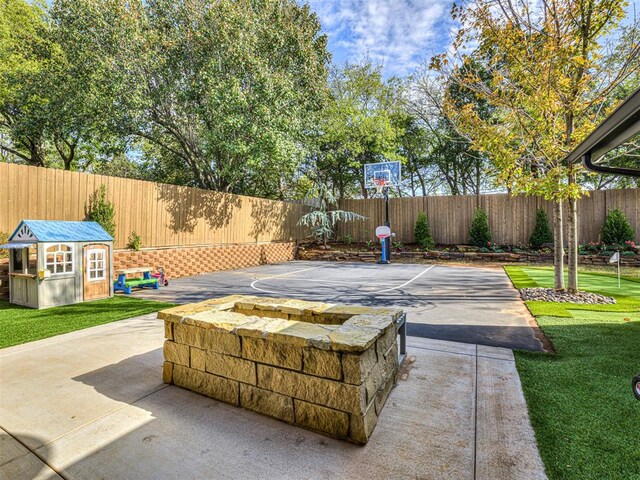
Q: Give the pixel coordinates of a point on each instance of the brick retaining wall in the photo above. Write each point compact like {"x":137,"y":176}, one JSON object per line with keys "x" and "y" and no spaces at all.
{"x":186,"y":261}
{"x":4,"y":278}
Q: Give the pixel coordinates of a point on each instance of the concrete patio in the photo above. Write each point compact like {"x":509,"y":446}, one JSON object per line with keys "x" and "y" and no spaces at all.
{"x":91,"y":404}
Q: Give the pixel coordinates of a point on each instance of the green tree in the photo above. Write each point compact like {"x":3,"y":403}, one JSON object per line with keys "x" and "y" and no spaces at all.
{"x":542,"y":233}
{"x":541,"y":71}
{"x":358,"y":126}
{"x":480,"y":233}
{"x":4,"y":238}
{"x":102,"y":210}
{"x":25,"y":51}
{"x":423,"y":232}
{"x":222,"y":91}
{"x":616,"y":228}
{"x":449,"y":163}
{"x":53,"y":105}
{"x":415,"y":146}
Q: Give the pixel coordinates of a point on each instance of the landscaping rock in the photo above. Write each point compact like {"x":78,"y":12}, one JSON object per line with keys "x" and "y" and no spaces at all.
{"x":551,"y":295}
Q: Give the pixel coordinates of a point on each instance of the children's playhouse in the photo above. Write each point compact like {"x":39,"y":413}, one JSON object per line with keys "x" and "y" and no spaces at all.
{"x":55,"y":263}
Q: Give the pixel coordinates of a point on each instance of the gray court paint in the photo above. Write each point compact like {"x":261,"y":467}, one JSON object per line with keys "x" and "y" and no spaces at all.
{"x":468,"y":304}
{"x":253,"y":284}
{"x":334,"y":282}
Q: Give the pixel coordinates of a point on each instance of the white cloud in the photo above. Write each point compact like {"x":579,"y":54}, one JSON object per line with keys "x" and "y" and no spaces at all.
{"x":396,"y":33}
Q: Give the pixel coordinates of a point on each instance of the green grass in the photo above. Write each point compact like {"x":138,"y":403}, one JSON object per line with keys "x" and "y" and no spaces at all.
{"x":586,"y":420}
{"x":627,"y":296}
{"x":20,"y":324}
{"x":606,"y":269}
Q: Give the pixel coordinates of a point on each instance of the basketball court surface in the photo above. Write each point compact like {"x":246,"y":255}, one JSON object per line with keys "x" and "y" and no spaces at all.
{"x":462,"y":304}
{"x":91,"y":403}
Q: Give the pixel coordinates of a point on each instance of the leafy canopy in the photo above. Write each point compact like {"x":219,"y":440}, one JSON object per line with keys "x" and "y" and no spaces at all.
{"x":538,"y":66}
{"x":25,"y":55}
{"x":358,"y":125}
{"x":221,"y":92}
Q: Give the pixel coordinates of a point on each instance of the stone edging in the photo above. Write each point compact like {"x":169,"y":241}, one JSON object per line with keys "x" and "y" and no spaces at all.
{"x":633,"y":261}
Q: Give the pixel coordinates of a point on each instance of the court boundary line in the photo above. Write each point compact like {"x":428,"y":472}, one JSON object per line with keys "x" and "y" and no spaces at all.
{"x":407,"y":282}
{"x":280,"y":275}
{"x":375,"y":292}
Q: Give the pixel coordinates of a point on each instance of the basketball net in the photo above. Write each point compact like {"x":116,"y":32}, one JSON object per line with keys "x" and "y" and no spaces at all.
{"x":380,"y":183}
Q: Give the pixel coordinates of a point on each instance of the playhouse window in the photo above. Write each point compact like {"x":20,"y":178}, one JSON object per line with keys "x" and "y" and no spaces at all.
{"x":59,"y":258}
{"x":18,"y":260}
{"x":96,"y":268}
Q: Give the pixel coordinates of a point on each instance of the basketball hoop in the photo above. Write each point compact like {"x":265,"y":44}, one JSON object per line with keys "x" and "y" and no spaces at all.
{"x":383,"y":232}
{"x":379,"y":183}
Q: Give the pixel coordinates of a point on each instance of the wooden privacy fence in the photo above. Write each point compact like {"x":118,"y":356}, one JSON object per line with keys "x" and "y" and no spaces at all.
{"x":163,"y":215}
{"x":511,"y":219}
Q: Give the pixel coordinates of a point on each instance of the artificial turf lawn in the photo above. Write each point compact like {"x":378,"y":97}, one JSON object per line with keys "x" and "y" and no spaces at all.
{"x":627,"y":296}
{"x":586,"y":419}
{"x":21,"y":324}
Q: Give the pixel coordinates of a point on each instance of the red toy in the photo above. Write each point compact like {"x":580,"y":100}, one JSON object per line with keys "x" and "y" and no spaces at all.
{"x":161,"y":276}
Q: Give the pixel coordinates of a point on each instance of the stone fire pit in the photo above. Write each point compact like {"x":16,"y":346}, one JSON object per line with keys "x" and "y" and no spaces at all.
{"x":325,"y":367}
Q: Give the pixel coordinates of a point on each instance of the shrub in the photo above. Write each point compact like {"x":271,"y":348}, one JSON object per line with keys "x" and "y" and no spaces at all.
{"x":480,"y":233}
{"x":397,"y":245}
{"x":134,"y":242}
{"x":102,"y":211}
{"x":423,"y":232}
{"x":616,"y":228}
{"x":323,"y":219}
{"x":4,"y":238}
{"x":542,"y":231}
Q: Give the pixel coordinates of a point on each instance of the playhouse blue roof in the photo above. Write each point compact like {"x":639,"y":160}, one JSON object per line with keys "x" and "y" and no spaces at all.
{"x":61,"y":231}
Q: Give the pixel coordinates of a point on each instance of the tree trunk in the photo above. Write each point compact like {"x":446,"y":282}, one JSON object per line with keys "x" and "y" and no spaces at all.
{"x":572,"y":224}
{"x":363,"y":187}
{"x":422,"y":184}
{"x":558,"y":246}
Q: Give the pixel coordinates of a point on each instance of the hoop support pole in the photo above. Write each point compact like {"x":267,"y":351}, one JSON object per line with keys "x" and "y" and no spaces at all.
{"x":387,"y":223}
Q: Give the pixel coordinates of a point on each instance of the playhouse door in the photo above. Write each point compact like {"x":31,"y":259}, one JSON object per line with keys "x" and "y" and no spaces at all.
{"x":96,"y":272}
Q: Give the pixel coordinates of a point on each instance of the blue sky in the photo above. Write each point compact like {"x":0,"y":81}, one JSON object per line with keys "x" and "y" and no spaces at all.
{"x":396,"y":33}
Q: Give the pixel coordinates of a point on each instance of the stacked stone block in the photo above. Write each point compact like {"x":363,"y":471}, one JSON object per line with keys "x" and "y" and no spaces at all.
{"x":468,"y":257}
{"x":324,"y":367}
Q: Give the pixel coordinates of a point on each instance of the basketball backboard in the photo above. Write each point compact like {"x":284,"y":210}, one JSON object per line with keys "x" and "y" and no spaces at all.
{"x":383,"y":232}
{"x":389,"y":171}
